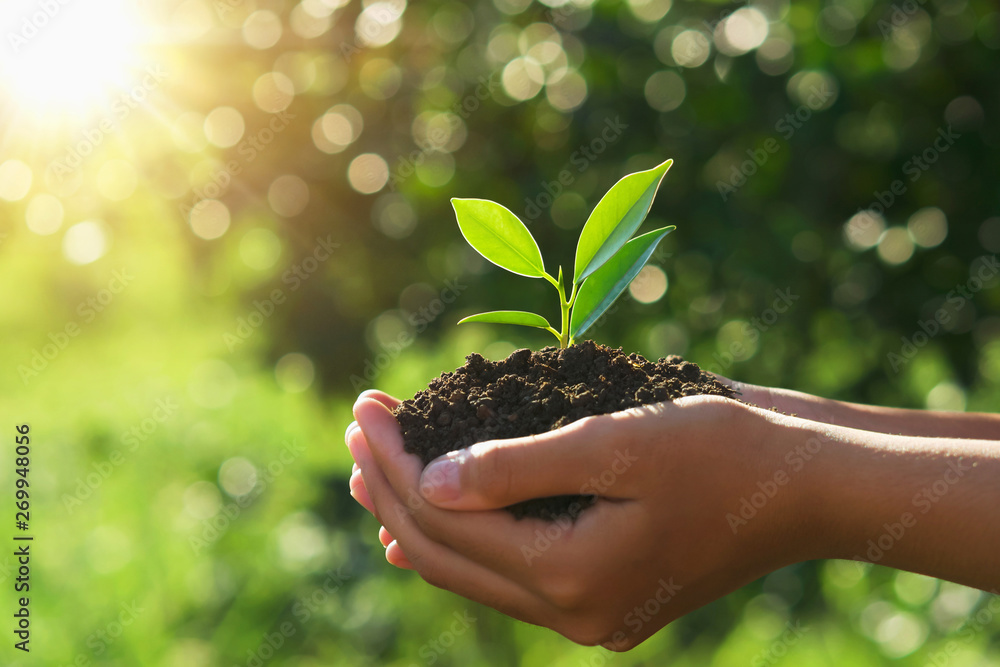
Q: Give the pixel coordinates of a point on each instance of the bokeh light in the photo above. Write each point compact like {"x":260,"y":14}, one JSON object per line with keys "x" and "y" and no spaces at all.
{"x":649,"y":285}
{"x":262,"y":29}
{"x":864,"y":230}
{"x":288,"y":195}
{"x":44,"y":214}
{"x":928,"y":227}
{"x":665,"y":91}
{"x":260,"y":248}
{"x":237,"y":476}
{"x":86,"y":242}
{"x":742,"y":31}
{"x":273,"y":92}
{"x":15,"y":180}
{"x":895,"y":246}
{"x":690,"y":48}
{"x":294,"y":372}
{"x":380,"y":23}
{"x":224,"y":126}
{"x":209,"y":219}
{"x":337,"y":129}
{"x":262,"y":229}
{"x":368,"y":173}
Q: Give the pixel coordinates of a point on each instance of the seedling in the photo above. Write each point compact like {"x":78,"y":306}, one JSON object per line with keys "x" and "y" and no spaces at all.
{"x":606,"y":260}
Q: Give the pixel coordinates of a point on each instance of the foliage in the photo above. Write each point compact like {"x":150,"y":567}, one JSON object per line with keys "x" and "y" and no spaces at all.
{"x":259,"y":341}
{"x":606,"y":260}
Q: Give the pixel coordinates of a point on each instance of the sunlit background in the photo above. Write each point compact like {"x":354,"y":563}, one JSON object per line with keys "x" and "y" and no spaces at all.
{"x":221,"y":219}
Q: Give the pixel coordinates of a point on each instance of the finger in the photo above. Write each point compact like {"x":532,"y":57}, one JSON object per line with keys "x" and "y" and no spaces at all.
{"x":384,"y":537}
{"x":350,"y":428}
{"x":436,"y":563}
{"x":358,"y":447}
{"x":567,"y":461}
{"x":394,"y":554}
{"x":380,"y":396}
{"x":493,"y":539}
{"x":360,"y":493}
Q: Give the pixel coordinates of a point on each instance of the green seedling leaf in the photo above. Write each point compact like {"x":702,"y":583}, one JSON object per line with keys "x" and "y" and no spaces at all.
{"x":499,"y":236}
{"x":509,"y":317}
{"x":615,"y":219}
{"x":610,"y":280}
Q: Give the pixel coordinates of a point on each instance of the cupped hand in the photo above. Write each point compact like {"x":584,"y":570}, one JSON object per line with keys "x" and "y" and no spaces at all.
{"x":658,"y":543}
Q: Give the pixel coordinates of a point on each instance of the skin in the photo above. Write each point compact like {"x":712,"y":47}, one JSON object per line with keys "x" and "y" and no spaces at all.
{"x":696,"y":498}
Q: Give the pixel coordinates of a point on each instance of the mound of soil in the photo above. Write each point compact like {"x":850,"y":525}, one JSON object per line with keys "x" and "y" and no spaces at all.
{"x":533,"y":392}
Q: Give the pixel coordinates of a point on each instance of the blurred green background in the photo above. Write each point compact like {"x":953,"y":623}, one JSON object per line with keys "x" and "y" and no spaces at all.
{"x":220,"y":218}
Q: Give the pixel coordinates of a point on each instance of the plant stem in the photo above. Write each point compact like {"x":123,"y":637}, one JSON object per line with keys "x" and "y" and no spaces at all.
{"x":569,"y":309}
{"x":565,"y":306}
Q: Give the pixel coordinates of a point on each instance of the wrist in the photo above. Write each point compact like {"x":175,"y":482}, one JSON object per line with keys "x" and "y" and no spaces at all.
{"x":778,"y":503}
{"x":799,"y":481}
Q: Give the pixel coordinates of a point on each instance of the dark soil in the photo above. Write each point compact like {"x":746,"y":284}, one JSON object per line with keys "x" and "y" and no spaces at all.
{"x":533,"y":392}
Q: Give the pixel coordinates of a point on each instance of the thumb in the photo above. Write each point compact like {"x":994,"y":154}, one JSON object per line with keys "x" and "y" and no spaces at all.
{"x":497,"y":473}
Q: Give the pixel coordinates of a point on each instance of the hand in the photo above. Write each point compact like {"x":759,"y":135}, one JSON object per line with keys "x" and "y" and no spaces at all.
{"x":656,"y":545}
{"x":897,"y":421}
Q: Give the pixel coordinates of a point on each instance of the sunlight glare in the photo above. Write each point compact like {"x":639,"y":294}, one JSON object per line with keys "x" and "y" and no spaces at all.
{"x":66,"y":56}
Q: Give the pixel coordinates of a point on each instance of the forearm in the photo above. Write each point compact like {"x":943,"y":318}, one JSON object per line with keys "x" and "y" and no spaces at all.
{"x":895,"y":421}
{"x":927,"y":505}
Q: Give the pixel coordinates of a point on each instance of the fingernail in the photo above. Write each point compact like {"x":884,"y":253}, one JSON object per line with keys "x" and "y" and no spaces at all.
{"x":439,"y":481}
{"x":353,"y":426}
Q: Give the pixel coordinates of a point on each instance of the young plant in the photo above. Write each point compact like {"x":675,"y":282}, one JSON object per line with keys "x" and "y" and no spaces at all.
{"x":606,"y":260}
